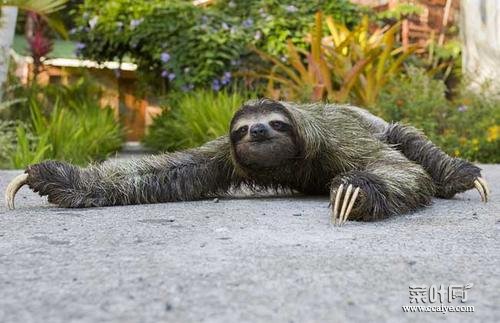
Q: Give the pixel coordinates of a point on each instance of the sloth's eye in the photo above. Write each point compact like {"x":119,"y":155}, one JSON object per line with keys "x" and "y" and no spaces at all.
{"x":278,"y":125}
{"x":242,"y":130}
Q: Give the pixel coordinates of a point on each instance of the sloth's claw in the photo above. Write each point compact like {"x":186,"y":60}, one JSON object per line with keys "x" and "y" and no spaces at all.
{"x":347,"y":204}
{"x":483,"y":189}
{"x":12,"y":188}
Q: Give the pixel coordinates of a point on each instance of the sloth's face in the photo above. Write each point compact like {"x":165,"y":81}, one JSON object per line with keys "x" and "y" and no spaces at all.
{"x":263,"y":139}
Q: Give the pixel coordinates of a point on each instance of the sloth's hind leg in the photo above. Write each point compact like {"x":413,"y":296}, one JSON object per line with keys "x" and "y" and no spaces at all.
{"x":450,"y":175}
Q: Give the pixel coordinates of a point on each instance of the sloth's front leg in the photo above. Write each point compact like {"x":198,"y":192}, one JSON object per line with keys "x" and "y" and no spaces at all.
{"x":379,"y":191}
{"x":189,"y":175}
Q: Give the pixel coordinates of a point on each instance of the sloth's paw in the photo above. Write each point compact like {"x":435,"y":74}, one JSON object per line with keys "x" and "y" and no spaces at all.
{"x":460,"y":176}
{"x":359,"y":196}
{"x":53,"y":179}
{"x":342,"y":207}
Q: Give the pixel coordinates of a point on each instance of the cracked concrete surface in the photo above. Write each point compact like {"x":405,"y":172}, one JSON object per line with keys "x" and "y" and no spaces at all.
{"x":243,"y":260}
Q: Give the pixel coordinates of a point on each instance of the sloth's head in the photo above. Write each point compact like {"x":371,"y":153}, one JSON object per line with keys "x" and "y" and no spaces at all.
{"x":263,"y":134}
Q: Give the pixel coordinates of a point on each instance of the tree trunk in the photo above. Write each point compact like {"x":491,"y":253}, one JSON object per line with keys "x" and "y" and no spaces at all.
{"x":480,"y":31}
{"x":7,"y":29}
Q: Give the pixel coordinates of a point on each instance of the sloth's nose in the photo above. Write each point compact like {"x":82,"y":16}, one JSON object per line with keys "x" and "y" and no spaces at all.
{"x":258,"y":131}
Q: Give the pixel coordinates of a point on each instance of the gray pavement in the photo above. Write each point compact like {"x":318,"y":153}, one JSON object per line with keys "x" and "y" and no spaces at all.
{"x":243,"y":260}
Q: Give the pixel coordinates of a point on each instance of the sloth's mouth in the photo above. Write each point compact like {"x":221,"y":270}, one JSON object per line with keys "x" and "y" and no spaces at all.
{"x":261,"y":140}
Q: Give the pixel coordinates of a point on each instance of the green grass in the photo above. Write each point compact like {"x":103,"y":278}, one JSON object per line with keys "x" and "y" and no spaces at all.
{"x":193,"y":119}
{"x":77,"y":134}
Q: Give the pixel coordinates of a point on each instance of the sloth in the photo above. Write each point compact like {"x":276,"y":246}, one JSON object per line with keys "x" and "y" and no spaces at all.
{"x":370,"y":169}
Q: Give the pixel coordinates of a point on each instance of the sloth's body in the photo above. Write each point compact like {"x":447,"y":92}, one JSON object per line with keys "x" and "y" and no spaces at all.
{"x":312,"y":149}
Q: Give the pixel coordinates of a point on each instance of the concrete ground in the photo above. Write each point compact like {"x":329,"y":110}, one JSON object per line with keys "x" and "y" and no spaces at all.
{"x":243,"y":260}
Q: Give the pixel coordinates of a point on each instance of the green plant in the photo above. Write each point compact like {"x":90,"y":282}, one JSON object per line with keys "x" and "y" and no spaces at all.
{"x":344,"y":65}
{"x":175,"y":43}
{"x":467,"y":127}
{"x":78,"y":134}
{"x":181,"y":46}
{"x":192,"y":119}
{"x":400,"y":11}
{"x":7,"y":141}
{"x":273,"y":22}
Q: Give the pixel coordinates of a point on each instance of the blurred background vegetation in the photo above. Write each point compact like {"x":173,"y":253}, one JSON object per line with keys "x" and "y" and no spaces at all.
{"x":198,"y":63}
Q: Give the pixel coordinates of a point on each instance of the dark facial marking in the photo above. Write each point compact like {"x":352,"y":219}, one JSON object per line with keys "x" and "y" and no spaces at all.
{"x":239,"y":133}
{"x":280,"y":126}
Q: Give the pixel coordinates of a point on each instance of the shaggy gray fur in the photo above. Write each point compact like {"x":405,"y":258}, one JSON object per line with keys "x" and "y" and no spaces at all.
{"x":396,"y":167}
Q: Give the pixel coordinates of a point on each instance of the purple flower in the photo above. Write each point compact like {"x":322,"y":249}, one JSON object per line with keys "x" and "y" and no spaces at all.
{"x":165,"y":57}
{"x":462,"y":108}
{"x":226,"y":78}
{"x":93,"y":22}
{"x":291,"y":9}
{"x":78,"y":48}
{"x":135,"y":22}
{"x":247,"y":23}
{"x":73,"y":31}
{"x":164,"y":73}
{"x":171,"y":76}
{"x":216,"y":85}
{"x":225,"y":26}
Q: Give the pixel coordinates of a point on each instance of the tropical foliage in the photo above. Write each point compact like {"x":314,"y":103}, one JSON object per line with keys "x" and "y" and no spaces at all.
{"x":182,"y":46}
{"x":58,"y":122}
{"x":340,"y":66}
{"x":192,"y":119}
{"x":468,"y":126}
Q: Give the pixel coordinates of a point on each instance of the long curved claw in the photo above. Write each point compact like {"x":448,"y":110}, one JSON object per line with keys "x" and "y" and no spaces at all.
{"x":349,"y":208}
{"x":483,"y":189}
{"x":12,"y":188}
{"x":347,"y":204}
{"x":336,"y":204}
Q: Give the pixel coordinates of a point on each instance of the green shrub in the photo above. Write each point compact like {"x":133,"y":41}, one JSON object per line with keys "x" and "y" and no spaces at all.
{"x":57,"y":122}
{"x":273,"y":22}
{"x":78,"y":134}
{"x":181,"y":46}
{"x":174,"y":42}
{"x":7,"y":142}
{"x":193,"y":119}
{"x":338,"y":65}
{"x":468,"y":127}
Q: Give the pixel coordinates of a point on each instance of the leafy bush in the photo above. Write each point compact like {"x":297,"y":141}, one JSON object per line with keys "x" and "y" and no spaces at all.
{"x":58,"y":122}
{"x":78,"y":134}
{"x":175,"y":41}
{"x":274,"y":22}
{"x":468,"y":127}
{"x":193,"y":119}
{"x":343,"y":65}
{"x":7,"y":142}
{"x":188,"y":46}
